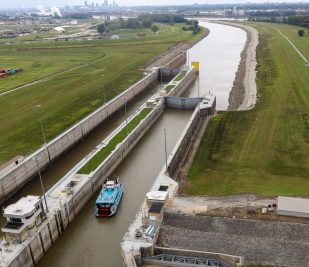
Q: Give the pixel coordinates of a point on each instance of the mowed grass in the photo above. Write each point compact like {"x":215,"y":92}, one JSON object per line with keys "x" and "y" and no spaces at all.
{"x":94,"y":162}
{"x":264,"y":150}
{"x":292,"y":33}
{"x":101,"y":67}
{"x":37,"y":65}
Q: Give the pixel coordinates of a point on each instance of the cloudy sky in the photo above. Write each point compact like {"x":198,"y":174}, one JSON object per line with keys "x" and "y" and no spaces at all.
{"x":34,"y":3}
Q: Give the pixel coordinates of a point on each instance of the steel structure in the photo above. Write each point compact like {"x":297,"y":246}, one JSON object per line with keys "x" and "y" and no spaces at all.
{"x":176,"y":260}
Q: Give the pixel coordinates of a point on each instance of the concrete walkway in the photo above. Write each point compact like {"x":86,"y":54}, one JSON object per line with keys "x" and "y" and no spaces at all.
{"x":192,"y":205}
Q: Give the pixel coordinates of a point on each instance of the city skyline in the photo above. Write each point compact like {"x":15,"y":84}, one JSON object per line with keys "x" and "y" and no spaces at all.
{"x":61,"y":3}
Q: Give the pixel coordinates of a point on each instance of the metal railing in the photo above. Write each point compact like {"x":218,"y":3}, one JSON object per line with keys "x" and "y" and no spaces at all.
{"x":176,"y":260}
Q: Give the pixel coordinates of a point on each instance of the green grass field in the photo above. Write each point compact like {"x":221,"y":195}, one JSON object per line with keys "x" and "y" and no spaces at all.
{"x":76,"y":77}
{"x":265,"y":150}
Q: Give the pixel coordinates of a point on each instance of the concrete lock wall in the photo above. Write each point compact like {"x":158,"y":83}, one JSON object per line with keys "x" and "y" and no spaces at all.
{"x":36,"y":246}
{"x":183,"y":84}
{"x":50,"y":230}
{"x":181,"y":146}
{"x":177,"y":61}
{"x":14,"y":179}
{"x":182,"y":103}
{"x":110,"y":164}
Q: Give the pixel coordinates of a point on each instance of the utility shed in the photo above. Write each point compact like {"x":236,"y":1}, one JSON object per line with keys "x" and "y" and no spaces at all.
{"x":292,"y":206}
{"x":155,"y":212}
{"x":156,"y":196}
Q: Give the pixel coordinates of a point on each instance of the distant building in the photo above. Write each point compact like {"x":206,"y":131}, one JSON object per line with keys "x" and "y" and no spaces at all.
{"x":292,"y":206}
{"x":58,"y":29}
{"x":115,"y":36}
{"x":86,"y":3}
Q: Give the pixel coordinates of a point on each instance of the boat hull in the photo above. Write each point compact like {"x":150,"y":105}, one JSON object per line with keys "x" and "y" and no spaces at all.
{"x":113,"y":209}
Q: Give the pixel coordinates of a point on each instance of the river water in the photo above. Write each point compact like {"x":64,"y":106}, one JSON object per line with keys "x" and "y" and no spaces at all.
{"x":89,"y":241}
{"x":219,"y":56}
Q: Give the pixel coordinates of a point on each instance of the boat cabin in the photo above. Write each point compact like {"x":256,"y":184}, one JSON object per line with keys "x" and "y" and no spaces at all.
{"x":23,"y":218}
{"x":109,"y":198}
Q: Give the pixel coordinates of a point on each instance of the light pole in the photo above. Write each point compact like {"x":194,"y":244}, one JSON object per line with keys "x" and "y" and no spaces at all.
{"x":36,"y":159}
{"x":125,"y":113}
{"x":165,"y":148}
{"x":188,"y":59}
{"x":198,"y":92}
{"x":41,"y":123}
{"x":43,"y":133}
{"x":161,"y":80}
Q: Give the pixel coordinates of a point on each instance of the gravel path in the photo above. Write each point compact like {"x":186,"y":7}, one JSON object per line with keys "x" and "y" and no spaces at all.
{"x":198,"y":204}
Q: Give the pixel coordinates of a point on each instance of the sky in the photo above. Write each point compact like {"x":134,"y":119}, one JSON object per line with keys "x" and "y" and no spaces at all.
{"x":34,"y":3}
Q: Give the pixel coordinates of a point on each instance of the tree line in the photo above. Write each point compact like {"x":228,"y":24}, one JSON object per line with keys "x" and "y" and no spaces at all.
{"x":146,"y":21}
{"x":302,"y":21}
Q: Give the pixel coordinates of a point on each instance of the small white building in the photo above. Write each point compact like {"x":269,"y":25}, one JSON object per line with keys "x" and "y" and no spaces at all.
{"x":292,"y":206}
{"x":58,"y":29}
{"x":156,"y":196}
{"x":23,"y":218}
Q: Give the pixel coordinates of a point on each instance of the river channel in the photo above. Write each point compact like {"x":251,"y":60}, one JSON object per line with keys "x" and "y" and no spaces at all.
{"x":89,"y":241}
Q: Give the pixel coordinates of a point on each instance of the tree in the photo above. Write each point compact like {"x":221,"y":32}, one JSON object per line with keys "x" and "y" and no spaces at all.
{"x":146,"y":23}
{"x":301,"y":32}
{"x":154,"y":28}
{"x":102,"y":28}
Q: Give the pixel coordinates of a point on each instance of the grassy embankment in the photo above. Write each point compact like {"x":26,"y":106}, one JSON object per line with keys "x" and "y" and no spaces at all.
{"x":92,"y":164}
{"x":264,"y":150}
{"x":98,"y":67}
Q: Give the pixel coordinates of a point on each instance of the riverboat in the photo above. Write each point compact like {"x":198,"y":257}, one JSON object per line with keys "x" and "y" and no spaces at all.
{"x":109,"y":199}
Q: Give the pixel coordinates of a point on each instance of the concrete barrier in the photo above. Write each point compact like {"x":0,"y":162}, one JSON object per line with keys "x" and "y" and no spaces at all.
{"x":182,"y":103}
{"x":177,"y":61}
{"x":206,"y":108}
{"x":15,"y":178}
{"x":182,"y":85}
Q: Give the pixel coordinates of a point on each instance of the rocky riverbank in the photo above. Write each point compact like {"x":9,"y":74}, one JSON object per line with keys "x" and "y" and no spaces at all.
{"x":244,"y":91}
